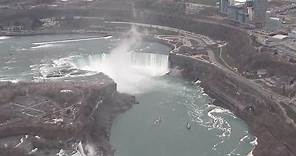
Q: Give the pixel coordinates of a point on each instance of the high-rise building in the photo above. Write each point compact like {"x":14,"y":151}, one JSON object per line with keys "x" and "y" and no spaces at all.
{"x":238,"y":14}
{"x":231,"y":2}
{"x":260,"y":8}
{"x":248,"y":11}
{"x":250,"y":8}
{"x":223,"y":6}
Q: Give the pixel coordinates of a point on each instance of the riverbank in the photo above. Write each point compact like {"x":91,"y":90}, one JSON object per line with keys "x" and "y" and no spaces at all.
{"x":248,"y":100}
{"x":269,"y":116}
{"x":63,"y":116}
{"x":48,"y":32}
{"x":262,"y":114}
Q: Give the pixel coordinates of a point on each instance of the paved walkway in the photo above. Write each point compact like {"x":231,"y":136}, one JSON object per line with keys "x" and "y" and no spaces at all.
{"x":268,"y":94}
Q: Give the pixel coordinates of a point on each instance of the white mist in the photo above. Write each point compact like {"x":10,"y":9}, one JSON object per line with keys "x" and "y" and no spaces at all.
{"x":132,"y":71}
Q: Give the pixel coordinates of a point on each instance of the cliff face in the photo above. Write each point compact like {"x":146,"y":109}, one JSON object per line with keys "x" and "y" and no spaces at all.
{"x":53,"y":115}
{"x":276,"y":136}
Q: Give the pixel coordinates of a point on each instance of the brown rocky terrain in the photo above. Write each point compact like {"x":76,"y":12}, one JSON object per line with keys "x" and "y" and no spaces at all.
{"x":276,"y":135}
{"x":41,"y":118}
{"x":270,"y":117}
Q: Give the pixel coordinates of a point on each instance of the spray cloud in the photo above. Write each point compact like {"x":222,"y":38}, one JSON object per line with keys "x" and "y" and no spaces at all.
{"x":132,"y":71}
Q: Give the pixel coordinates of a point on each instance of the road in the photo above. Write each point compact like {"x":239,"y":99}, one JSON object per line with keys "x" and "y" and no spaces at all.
{"x":268,"y":94}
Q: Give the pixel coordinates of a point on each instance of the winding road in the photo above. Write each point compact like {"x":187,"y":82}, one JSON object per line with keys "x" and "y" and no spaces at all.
{"x":268,"y":94}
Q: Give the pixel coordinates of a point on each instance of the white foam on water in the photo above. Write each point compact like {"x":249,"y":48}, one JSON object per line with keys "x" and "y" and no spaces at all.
{"x":76,"y":154}
{"x":64,"y":62}
{"x":10,"y":80}
{"x":219,"y":122}
{"x":8,"y":68}
{"x":44,"y":46}
{"x":220,"y":110}
{"x":232,"y":152}
{"x":88,"y":150}
{"x":80,"y":149}
{"x":70,"y":40}
{"x":212,"y":117}
{"x":250,"y":154}
{"x":108,"y":37}
{"x":21,"y":141}
{"x":4,"y":37}
{"x":57,"y":69}
{"x":243,"y":138}
{"x":33,"y":151}
{"x":61,"y":153}
{"x":254,"y":142}
{"x":21,"y":49}
{"x":197,"y":82}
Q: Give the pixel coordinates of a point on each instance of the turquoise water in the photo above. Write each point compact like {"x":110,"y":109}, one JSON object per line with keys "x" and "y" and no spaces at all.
{"x":214,"y":131}
{"x":22,"y":58}
{"x":174,"y":117}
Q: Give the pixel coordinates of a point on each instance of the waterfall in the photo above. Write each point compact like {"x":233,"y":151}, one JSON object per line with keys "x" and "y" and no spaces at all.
{"x":132,"y":71}
{"x":150,"y":64}
{"x":153,"y":64}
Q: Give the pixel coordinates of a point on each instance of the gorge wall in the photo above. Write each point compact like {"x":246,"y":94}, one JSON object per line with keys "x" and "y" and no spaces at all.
{"x":275,"y":135}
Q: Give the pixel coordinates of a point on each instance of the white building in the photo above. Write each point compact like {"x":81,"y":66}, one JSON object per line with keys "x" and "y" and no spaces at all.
{"x":194,"y":8}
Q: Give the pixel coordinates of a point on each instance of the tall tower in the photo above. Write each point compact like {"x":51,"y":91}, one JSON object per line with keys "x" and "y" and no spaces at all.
{"x":231,"y":2}
{"x":260,"y":8}
{"x":250,"y":8}
{"x":223,"y":6}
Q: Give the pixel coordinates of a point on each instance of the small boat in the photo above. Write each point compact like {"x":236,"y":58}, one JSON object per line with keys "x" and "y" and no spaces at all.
{"x":188,"y":126}
{"x":157,"y":121}
{"x":107,"y":36}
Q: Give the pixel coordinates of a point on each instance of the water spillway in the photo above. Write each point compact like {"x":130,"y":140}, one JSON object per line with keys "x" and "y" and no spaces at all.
{"x":149,"y":63}
{"x":154,"y":64}
{"x":133,"y":69}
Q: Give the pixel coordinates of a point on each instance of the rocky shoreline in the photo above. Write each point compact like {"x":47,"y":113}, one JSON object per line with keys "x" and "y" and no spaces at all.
{"x":269,"y":115}
{"x":262,"y":118}
{"x":261,"y":114}
{"x":269,"y":119}
{"x":61,"y":116}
